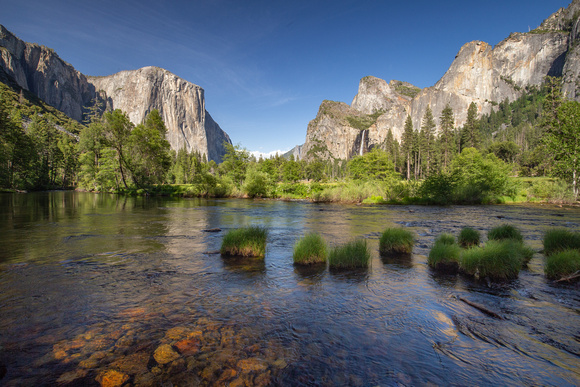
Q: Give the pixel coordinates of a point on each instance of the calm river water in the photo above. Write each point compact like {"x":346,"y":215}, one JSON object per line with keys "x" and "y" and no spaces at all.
{"x":115,"y":290}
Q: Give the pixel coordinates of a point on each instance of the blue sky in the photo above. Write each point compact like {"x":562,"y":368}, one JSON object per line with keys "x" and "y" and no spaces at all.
{"x":267,"y":65}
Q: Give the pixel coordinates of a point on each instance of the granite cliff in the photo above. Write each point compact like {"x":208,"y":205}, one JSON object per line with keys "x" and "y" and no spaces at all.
{"x":41,"y":71}
{"x":480,"y":73}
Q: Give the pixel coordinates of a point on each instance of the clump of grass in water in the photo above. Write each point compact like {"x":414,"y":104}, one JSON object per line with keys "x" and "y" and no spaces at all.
{"x":352,"y":255}
{"x":468,"y":237}
{"x":497,"y":260}
{"x":559,"y":239}
{"x":247,"y":242}
{"x":445,"y":239}
{"x":310,"y":249}
{"x":562,"y":264}
{"x":396,"y":241}
{"x":506,"y":231}
{"x":444,"y":256}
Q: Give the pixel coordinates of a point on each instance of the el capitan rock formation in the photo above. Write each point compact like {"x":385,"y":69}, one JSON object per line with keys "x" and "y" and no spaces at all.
{"x":41,"y":71}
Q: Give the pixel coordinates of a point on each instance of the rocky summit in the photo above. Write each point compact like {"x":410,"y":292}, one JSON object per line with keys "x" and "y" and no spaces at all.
{"x":480,"y":73}
{"x":41,"y":71}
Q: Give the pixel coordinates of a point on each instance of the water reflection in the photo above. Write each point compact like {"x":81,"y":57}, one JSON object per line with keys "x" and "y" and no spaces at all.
{"x":100,"y":286}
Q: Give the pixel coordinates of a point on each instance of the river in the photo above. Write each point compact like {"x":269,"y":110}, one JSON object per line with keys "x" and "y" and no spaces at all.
{"x":108,"y":289}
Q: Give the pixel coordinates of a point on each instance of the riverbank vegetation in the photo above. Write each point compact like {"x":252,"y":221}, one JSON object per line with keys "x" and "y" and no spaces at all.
{"x":521,"y":151}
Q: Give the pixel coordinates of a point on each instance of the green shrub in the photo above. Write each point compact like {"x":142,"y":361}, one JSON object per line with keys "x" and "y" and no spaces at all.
{"x":559,"y":239}
{"x":497,"y":260}
{"x":562,"y":263}
{"x":446,"y":239}
{"x":506,"y":231}
{"x":444,"y":256}
{"x":396,"y":241}
{"x":310,"y":249}
{"x":257,"y":184}
{"x":468,"y":237}
{"x":354,"y":254}
{"x":246,"y":241}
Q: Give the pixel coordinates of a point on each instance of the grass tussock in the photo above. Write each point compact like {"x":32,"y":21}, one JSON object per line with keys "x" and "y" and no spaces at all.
{"x":352,"y":255}
{"x":506,"y":231}
{"x":560,"y":239}
{"x":497,"y":260}
{"x":468,"y":237}
{"x":562,"y":264}
{"x":446,"y":239}
{"x":310,"y":249}
{"x":396,"y":241}
{"x":247,"y":242}
{"x":444,"y":257}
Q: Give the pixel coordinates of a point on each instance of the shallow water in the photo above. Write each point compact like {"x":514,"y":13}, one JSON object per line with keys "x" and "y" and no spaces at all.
{"x":91,"y":284}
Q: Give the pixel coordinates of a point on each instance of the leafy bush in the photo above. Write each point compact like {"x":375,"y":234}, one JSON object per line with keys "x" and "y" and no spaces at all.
{"x":439,"y":188}
{"x":562,"y":263}
{"x":559,"y":239}
{"x":396,"y":241}
{"x":497,"y":260}
{"x":352,"y":255}
{"x":257,"y":184}
{"x":505,"y":231}
{"x":246,"y":241}
{"x":480,"y":179}
{"x":468,"y":237}
{"x":310,"y":249}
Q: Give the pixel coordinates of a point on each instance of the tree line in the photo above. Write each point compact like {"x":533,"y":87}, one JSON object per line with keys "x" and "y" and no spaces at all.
{"x":535,"y":135}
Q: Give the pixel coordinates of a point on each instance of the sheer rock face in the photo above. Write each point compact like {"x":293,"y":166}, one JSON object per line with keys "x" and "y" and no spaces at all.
{"x":180,"y":103}
{"x":480,"y":73}
{"x":331,"y":131}
{"x":39,"y":70}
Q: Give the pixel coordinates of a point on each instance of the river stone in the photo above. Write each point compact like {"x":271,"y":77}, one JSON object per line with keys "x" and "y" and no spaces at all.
{"x":188,"y":347}
{"x":135,"y":364}
{"x":112,"y":378}
{"x":177,"y":333}
{"x":252,"y":364}
{"x":165,"y":354}
{"x":71,"y":376}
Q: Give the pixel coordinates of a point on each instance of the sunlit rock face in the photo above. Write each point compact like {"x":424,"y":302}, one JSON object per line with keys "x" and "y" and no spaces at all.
{"x":480,"y":73}
{"x":181,"y":103}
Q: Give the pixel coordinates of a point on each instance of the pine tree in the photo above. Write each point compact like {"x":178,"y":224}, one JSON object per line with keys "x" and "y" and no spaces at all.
{"x":446,"y":140}
{"x":407,"y":144}
{"x":470,"y":133}
{"x":428,"y":139}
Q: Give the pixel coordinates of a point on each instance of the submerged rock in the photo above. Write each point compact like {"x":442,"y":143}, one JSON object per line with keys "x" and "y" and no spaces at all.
{"x":135,"y":364}
{"x":188,"y":347}
{"x":165,"y":354}
{"x":112,"y":378}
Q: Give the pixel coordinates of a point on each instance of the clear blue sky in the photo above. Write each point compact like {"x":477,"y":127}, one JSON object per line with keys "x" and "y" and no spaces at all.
{"x":267,"y":65}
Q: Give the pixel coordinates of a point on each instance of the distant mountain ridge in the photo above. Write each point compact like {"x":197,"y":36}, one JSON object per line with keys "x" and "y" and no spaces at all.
{"x":479,"y":74}
{"x":41,"y":71}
